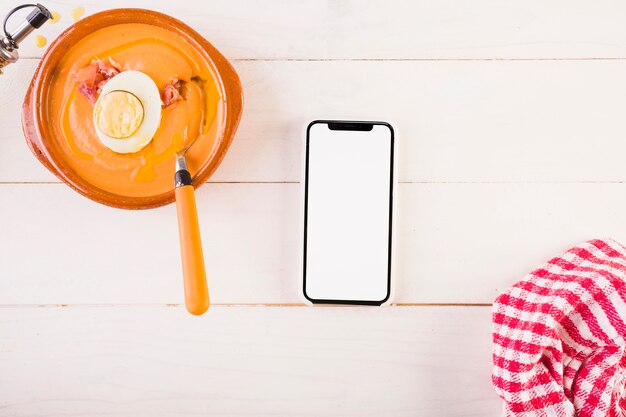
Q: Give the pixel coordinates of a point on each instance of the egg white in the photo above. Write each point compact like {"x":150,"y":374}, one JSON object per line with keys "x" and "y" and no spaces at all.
{"x":143,"y":87}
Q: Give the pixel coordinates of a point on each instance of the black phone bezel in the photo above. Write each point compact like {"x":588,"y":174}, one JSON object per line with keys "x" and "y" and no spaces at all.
{"x":354,"y":126}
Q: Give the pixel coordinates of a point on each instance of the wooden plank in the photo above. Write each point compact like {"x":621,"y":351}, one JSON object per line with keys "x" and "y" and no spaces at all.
{"x":246,"y":361}
{"x":397,"y":29}
{"x":14,"y":153}
{"x":482,"y":121}
{"x":455,"y":243}
{"x":248,"y":239}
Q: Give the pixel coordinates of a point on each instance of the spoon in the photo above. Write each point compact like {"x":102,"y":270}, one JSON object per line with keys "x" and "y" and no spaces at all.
{"x":194,"y":274}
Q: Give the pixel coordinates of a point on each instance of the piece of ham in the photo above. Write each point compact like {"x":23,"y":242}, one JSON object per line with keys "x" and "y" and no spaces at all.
{"x":171,"y":93}
{"x":109,"y":70}
{"x":94,"y":76}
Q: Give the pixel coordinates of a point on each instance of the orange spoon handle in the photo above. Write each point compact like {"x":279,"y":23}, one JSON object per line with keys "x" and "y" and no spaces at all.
{"x":194,"y":274}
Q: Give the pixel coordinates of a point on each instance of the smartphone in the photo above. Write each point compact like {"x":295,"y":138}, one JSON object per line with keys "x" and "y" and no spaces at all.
{"x":348,"y":204}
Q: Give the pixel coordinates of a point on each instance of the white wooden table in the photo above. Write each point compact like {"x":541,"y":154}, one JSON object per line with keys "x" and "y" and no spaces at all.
{"x":510,"y":124}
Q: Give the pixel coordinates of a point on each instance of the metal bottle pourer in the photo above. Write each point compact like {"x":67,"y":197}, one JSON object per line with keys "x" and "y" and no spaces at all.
{"x":9,"y":44}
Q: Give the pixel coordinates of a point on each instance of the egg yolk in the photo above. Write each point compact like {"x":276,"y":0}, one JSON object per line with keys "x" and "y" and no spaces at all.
{"x":118,"y":114}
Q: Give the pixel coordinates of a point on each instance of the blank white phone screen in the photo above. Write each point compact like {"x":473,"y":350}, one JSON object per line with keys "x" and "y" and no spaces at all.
{"x":348,"y":212}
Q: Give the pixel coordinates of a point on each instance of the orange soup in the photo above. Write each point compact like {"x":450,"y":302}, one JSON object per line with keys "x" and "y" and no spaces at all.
{"x":163,"y":56}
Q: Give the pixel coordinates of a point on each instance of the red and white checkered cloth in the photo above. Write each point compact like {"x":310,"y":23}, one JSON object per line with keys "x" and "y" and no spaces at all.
{"x":559,"y":336}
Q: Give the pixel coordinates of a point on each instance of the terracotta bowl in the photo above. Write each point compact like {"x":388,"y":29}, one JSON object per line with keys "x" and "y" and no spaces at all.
{"x":41,"y":139}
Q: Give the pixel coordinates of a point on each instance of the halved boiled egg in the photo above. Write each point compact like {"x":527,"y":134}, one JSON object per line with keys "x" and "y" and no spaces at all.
{"x":128,"y":112}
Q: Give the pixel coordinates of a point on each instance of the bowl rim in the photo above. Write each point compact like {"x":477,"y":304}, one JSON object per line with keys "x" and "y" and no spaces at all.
{"x":38,"y":134}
